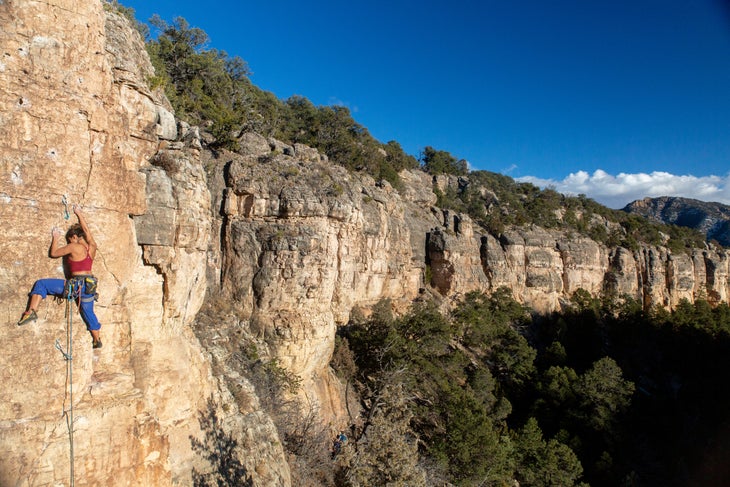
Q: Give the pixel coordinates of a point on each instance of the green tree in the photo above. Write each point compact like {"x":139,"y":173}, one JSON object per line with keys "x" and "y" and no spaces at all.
{"x":300,"y":121}
{"x":441,"y":162}
{"x":397,"y":158}
{"x":584,"y":302}
{"x":543,"y":463}
{"x":203,"y":85}
{"x":557,"y":398}
{"x":604,"y":394}
{"x":490,"y":325}
{"x":469,"y":442}
{"x":345,"y":141}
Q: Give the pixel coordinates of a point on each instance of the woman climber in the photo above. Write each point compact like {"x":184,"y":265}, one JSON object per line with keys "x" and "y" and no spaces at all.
{"x":78,"y":254}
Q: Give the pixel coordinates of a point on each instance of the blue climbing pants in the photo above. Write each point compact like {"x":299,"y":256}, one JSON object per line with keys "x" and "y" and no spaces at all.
{"x":86,"y":297}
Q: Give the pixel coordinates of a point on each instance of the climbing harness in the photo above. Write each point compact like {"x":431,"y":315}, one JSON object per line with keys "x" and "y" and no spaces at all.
{"x":72,"y":291}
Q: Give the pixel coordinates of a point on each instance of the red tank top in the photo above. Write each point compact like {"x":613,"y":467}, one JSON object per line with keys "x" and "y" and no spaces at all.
{"x":84,"y":265}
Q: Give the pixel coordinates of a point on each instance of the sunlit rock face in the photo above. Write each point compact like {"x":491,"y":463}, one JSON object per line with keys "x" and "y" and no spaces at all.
{"x":303,"y":242}
{"x":78,"y":124}
{"x":543,"y":268}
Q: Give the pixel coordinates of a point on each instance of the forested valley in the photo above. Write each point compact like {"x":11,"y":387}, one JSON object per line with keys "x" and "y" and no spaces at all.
{"x":602,"y":394}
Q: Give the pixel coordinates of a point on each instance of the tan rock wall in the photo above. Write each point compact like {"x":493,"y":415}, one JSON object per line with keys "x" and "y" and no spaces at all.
{"x":306,"y":242}
{"x":77,"y":120}
{"x":544,"y":268}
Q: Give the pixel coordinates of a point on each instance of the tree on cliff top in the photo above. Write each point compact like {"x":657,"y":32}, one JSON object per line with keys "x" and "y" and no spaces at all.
{"x":207,"y":86}
{"x":202,"y":85}
{"x":441,"y":162}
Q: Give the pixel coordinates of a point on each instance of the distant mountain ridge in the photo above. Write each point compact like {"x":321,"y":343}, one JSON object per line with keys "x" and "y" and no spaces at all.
{"x":712,"y":219}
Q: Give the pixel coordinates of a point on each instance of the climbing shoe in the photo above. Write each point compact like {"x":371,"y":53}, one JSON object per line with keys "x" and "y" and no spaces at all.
{"x":27,"y":317}
{"x":96,"y":343}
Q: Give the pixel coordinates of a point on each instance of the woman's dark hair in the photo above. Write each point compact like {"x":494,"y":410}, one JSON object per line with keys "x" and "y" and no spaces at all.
{"x":75,"y":230}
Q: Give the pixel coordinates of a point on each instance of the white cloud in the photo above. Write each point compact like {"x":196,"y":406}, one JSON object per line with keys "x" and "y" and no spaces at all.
{"x":618,"y":191}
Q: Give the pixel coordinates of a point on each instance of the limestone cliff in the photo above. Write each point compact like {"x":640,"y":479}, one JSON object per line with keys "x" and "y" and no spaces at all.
{"x":77,"y":122}
{"x":303,"y":243}
{"x":544,"y":268}
{"x":286,"y":242}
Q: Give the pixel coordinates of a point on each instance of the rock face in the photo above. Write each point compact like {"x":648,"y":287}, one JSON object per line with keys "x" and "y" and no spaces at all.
{"x":288,"y":241}
{"x":304,"y":242}
{"x":78,"y":121}
{"x":544,"y":268}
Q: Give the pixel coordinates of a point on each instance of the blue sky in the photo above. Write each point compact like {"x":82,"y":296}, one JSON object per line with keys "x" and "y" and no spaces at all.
{"x":617,"y":100}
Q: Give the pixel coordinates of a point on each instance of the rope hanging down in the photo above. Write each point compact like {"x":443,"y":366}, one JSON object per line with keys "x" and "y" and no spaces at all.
{"x":72,"y":292}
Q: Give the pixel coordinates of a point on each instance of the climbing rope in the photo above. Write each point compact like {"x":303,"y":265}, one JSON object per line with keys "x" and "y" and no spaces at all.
{"x":72,"y":291}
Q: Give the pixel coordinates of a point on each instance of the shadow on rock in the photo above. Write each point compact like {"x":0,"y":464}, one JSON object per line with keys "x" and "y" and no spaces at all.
{"x":220,"y":450}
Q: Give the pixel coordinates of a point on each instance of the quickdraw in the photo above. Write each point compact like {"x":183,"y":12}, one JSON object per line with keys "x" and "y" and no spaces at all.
{"x":66,"y":213}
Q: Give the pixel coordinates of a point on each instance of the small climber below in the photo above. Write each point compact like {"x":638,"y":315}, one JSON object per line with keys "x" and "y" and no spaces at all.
{"x":78,"y":254}
{"x":338,"y":444}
